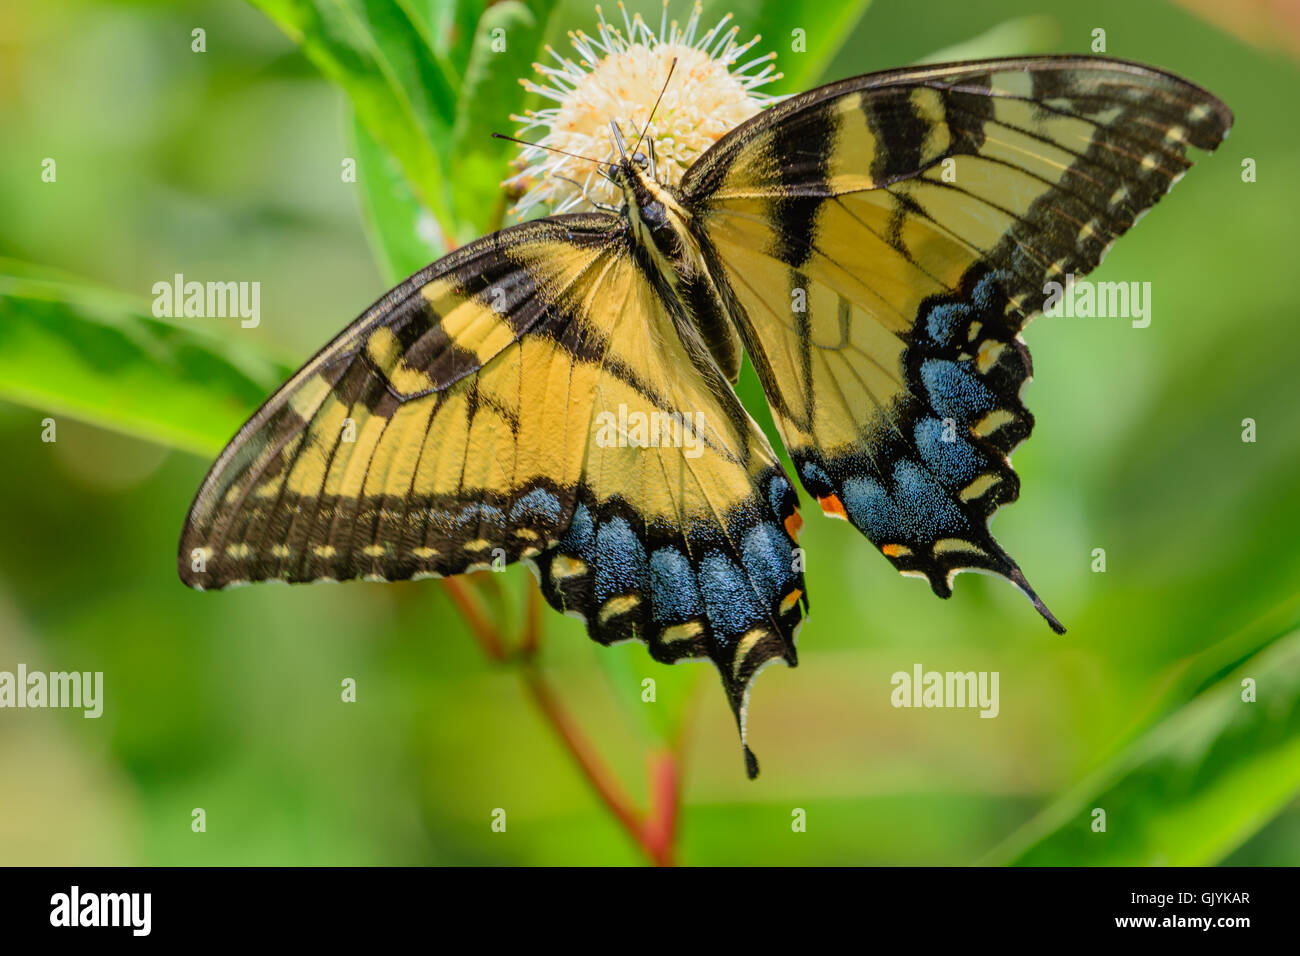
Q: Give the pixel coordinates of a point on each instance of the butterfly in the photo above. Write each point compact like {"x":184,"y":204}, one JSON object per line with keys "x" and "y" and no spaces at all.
{"x":559,"y":393}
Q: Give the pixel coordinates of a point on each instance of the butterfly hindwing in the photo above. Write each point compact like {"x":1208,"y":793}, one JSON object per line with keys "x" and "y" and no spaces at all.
{"x":884,"y":241}
{"x":683,"y":535}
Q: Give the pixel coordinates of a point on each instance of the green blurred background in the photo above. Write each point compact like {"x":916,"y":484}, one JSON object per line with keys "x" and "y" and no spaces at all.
{"x":226,"y":165}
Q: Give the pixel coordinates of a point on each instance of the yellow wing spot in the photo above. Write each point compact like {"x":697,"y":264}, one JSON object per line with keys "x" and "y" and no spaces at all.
{"x":1118,"y":195}
{"x":424,"y":554}
{"x":478,"y":544}
{"x":386,"y":352}
{"x":682,"y":632}
{"x":374,"y":550}
{"x":974,"y":331}
{"x":1148,"y":162}
{"x":239,"y":550}
{"x":309,"y":472}
{"x":948,"y":545}
{"x":744,"y":647}
{"x":279,"y":550}
{"x":1198,"y":112}
{"x":790,"y":600}
{"x":895,"y":550}
{"x":475,"y":326}
{"x":990,"y":351}
{"x":618,"y":605}
{"x":308,"y":397}
{"x":531,"y":551}
{"x":528,"y":534}
{"x":324,"y":551}
{"x":977,"y":487}
{"x":991,"y":422}
{"x":566,"y":567}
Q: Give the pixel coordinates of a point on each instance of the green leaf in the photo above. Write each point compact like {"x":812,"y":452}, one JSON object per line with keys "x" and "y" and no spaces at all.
{"x":383,"y":58}
{"x":448,"y":26}
{"x":403,"y":231}
{"x":1023,"y":35}
{"x":69,"y":348}
{"x":510,"y":34}
{"x":1194,"y":787}
{"x":823,"y":30}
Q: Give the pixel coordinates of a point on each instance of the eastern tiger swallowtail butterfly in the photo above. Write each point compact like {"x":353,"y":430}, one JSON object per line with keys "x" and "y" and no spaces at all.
{"x":874,"y":246}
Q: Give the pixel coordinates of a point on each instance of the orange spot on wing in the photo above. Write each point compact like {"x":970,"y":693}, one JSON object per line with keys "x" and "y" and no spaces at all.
{"x":891,"y":550}
{"x":793,"y":525}
{"x":832,"y":505}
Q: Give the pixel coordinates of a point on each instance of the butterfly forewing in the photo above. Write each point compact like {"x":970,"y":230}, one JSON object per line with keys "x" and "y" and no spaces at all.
{"x":432,"y":436}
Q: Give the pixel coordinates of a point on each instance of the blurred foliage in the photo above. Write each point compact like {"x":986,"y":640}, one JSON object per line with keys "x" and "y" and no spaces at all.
{"x":226,"y":165}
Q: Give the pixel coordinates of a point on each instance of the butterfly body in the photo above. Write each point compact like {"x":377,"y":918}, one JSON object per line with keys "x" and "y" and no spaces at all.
{"x":559,"y":393}
{"x":670,"y":249}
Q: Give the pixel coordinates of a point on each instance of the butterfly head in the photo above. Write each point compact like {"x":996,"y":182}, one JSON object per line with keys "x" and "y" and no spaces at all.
{"x":654,"y":211}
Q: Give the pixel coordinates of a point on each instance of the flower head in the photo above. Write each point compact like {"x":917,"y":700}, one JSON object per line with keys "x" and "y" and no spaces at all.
{"x":618,"y":77}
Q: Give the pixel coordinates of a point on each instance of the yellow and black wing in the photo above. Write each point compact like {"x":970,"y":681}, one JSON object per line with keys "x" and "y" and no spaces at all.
{"x":884,"y":241}
{"x":529,"y":397}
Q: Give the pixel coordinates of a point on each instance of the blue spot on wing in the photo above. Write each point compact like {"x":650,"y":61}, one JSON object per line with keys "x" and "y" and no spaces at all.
{"x":580,"y":538}
{"x":538,"y":503}
{"x":473,"y":514}
{"x":674,"y":595}
{"x":620,"y":560}
{"x":918,"y":510}
{"x":733,"y":608}
{"x":944,"y":322}
{"x":870,"y":507}
{"x":766,"y":552}
{"x":816,"y":480}
{"x":926,"y":505}
{"x":954,"y":390}
{"x":777,"y":489}
{"x":987,"y":294}
{"x":955,"y":462}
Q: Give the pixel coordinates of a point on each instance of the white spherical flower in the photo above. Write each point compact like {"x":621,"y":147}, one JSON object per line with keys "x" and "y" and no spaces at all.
{"x":618,"y":77}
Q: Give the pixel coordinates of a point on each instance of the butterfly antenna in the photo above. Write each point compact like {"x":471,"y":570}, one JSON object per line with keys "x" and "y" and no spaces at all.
{"x":618,"y":139}
{"x":672,"y":66}
{"x":524,"y":142}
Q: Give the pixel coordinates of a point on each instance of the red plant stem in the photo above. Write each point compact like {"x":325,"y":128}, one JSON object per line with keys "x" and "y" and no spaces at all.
{"x":656,"y":833}
{"x":660,"y":831}
{"x":532,"y":635}
{"x":593,"y":768}
{"x":470,"y":609}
